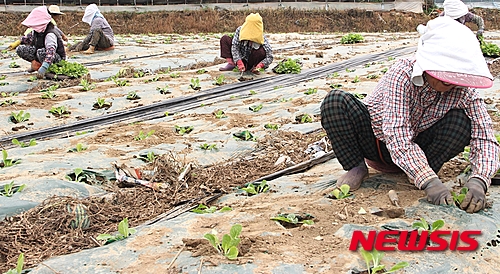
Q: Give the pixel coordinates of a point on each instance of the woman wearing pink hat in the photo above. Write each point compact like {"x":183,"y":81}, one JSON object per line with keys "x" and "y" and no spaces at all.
{"x":422,"y":113}
{"x":44,"y":45}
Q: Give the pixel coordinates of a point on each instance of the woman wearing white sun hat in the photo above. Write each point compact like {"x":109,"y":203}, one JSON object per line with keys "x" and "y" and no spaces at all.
{"x":457,"y":10}
{"x":100,"y":37}
{"x":422,"y":113}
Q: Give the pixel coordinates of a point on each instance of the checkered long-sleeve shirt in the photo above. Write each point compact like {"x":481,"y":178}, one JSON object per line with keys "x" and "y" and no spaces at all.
{"x":401,"y":110}
{"x":239,"y":48}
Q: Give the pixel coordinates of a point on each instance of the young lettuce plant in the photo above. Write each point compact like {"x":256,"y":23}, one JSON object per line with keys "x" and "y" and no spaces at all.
{"x":77,"y":171}
{"x":79,"y":148}
{"x":293,"y":219}
{"x":10,"y":189}
{"x":375,"y":257}
{"x":21,"y":144}
{"x":143,"y":135}
{"x":7,"y":162}
{"x":123,"y":232}
{"x":229,"y":245}
{"x":86,"y":85}
{"x":208,"y":147}
{"x":311,"y":91}
{"x":101,"y":103}
{"x":195,"y":84}
{"x":19,"y":117}
{"x":219,"y":114}
{"x":272,"y":126}
{"x":19,"y":267}
{"x":342,"y":193}
{"x":220,"y":80}
{"x":255,"y":108}
{"x":458,"y":198}
{"x":424,"y":226}
{"x":60,"y":111}
{"x":254,"y":189}
{"x":183,"y":130}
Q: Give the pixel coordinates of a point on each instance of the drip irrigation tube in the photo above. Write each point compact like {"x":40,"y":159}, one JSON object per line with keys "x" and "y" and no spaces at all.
{"x":157,"y":110}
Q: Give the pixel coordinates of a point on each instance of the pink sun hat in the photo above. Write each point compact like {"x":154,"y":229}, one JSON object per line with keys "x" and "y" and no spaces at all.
{"x":450,"y":52}
{"x":461,"y":79}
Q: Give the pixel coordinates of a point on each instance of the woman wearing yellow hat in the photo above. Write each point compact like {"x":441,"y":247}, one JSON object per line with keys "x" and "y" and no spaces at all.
{"x":248,"y":49}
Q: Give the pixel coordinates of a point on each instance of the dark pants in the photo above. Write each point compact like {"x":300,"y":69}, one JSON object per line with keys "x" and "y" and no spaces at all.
{"x":96,"y":38}
{"x":347,"y":122}
{"x":29,"y":53}
{"x":256,"y":55}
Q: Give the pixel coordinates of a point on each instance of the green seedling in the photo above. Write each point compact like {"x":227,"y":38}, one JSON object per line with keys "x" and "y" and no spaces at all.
{"x":154,"y":79}
{"x":101,"y":103}
{"x":384,"y":70}
{"x":201,"y":71}
{"x":335,"y":86}
{"x":208,"y":147}
{"x":19,"y":117}
{"x":390,"y":58}
{"x":60,"y":111}
{"x":356,"y":79}
{"x":352,"y":38}
{"x":86,"y":85}
{"x":48,"y":94}
{"x":3,"y":83}
{"x":272,"y":126}
{"x":79,"y":148}
{"x":21,"y":144}
{"x":139,"y":74}
{"x":360,"y":96}
{"x":458,"y":198}
{"x":287,"y":66}
{"x":70,"y":69}
{"x":423,"y":225}
{"x":14,"y":65}
{"x":220,"y":80}
{"x":255,"y":108}
{"x":10,"y":94}
{"x":229,"y":245}
{"x":367,"y":65}
{"x":294,"y":219}
{"x":219,"y":114}
{"x":253,"y":189}
{"x":334,"y":75}
{"x":175,"y":75}
{"x":50,"y":88}
{"x":245,"y":136}
{"x":183,"y":130}
{"x":19,"y":267}
{"x":121,"y":83}
{"x":203,"y":209}
{"x":311,"y":91}
{"x":132,"y":95}
{"x":374,"y":258}
{"x":195,"y":84}
{"x":342,"y":193}
{"x":77,"y":171}
{"x":123,"y":232}
{"x":350,"y":70}
{"x":6,"y":162}
{"x":148,"y":158}
{"x":143,"y":135}
{"x":163,"y":90}
{"x":10,"y":189}
{"x":8,"y":102}
{"x":235,"y":69}
{"x":78,"y":133}
{"x":252,"y":92}
{"x":372,"y":76}
{"x":3,"y":77}
{"x":304,"y":118}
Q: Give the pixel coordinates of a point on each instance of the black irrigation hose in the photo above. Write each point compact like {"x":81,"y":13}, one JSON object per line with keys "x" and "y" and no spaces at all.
{"x":157,"y":110}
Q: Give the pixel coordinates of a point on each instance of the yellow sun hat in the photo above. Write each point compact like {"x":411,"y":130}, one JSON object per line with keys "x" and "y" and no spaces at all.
{"x":253,"y":29}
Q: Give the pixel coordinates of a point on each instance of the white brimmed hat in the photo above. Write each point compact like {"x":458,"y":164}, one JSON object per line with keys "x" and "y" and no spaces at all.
{"x":54,"y":9}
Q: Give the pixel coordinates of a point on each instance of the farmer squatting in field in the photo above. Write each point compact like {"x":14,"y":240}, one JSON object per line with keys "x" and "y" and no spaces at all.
{"x":422,"y":113}
{"x":100,"y":37}
{"x":248,"y":49}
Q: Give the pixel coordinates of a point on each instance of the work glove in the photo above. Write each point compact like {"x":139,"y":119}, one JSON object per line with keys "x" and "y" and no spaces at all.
{"x":479,"y":33}
{"x":14,"y":45}
{"x":241,"y":66}
{"x":437,"y":193}
{"x":259,"y":66}
{"x":475,"y":199}
{"x":41,"y":71}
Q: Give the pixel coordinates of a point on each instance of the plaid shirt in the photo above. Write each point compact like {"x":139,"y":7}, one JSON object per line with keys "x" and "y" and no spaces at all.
{"x":239,"y":48}
{"x":400,"y":111}
{"x":50,"y":44}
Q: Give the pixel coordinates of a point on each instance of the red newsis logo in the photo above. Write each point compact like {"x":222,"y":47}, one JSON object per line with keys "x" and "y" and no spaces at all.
{"x":413,"y":241}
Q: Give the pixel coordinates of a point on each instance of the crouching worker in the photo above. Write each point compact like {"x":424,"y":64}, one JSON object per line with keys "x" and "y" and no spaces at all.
{"x":100,"y":36}
{"x":248,"y":49}
{"x":42,"y":46}
{"x":422,"y":113}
